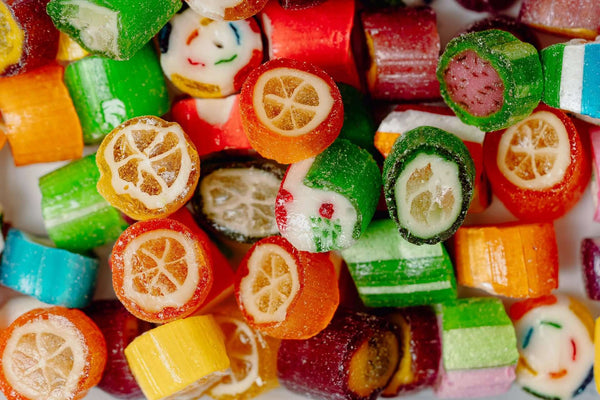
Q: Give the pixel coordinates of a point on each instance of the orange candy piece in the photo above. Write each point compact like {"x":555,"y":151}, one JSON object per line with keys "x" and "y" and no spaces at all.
{"x":284,"y":292}
{"x":512,"y":260}
{"x":51,"y":353}
{"x":291,"y":110}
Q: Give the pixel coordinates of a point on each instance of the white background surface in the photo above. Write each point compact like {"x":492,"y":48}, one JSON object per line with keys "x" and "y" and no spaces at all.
{"x":20,"y":197}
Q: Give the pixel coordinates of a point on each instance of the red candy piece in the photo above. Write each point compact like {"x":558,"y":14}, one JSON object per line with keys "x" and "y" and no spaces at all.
{"x":508,"y":24}
{"x":319,"y":35}
{"x":30,"y":39}
{"x":572,"y":18}
{"x":404,"y":46}
{"x":212,"y":124}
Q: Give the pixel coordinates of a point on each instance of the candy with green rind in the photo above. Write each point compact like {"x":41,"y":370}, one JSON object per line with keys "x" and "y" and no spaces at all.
{"x":388,"y":271}
{"x":76,"y":216}
{"x":432,"y":173}
{"x":517,"y":65}
{"x":107,"y":92}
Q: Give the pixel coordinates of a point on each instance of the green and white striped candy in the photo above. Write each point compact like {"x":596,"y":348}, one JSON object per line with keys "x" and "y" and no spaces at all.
{"x":390,"y":272}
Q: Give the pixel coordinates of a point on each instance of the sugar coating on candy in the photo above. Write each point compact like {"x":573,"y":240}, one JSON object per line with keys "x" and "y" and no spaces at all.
{"x":207,"y":58}
{"x":590,"y":257}
{"x":470,"y":383}
{"x":474,"y":84}
{"x":574,"y":18}
{"x":11,"y":39}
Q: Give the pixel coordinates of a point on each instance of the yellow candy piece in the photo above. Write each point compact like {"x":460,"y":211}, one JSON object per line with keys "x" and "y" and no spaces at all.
{"x":69,"y":50}
{"x":597,"y":354}
{"x":11,"y":38}
{"x":182,"y":358}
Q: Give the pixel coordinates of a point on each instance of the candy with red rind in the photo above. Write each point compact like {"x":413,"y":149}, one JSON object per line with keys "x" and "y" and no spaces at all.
{"x":213,"y":125}
{"x":353,"y":358}
{"x":404,"y":47}
{"x":320,"y":35}
{"x":119,"y":328}
{"x":505,"y":23}
{"x":590,"y":258}
{"x":492,"y":6}
{"x":572,"y":18}
{"x":207,"y":58}
{"x":228,"y":10}
{"x":30,"y":39}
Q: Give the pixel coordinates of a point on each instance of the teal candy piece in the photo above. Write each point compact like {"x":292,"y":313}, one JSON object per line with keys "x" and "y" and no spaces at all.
{"x":477,"y":333}
{"x":76,"y":216}
{"x":114,"y":28}
{"x":106,"y":92}
{"x":390,"y":272}
{"x":51,"y":275}
{"x":359,"y":127}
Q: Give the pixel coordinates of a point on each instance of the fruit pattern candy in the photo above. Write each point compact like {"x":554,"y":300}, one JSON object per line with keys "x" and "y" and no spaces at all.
{"x":406,"y":117}
{"x":51,"y":275}
{"x":590,"y":258}
{"x":538,"y":167}
{"x":299,"y":4}
{"x":491,"y":6}
{"x":404,"y":47}
{"x":490,"y":79}
{"x":52,"y":353}
{"x":213,"y":125}
{"x":320,"y":35}
{"x":161,"y":270}
{"x":555,"y":341}
{"x":16,"y":306}
{"x":148,"y":168}
{"x":69,"y":50}
{"x":107,"y":93}
{"x":352,"y":358}
{"x":594,"y":135}
{"x":563,"y":17}
{"x":116,"y":29}
{"x":119,"y":328}
{"x":505,"y":23}
{"x":390,"y":272}
{"x":179,"y":360}
{"x":512,"y":260}
{"x":253,"y":358}
{"x":29,"y":39}
{"x":54,"y":134}
{"x":428,"y":184}
{"x":421,"y":350}
{"x":228,"y":10}
{"x":76,"y":217}
{"x":358,"y":126}
{"x":571,"y":76}
{"x":236,"y":198}
{"x":207,"y":58}
{"x":326,"y":202}
{"x":286,"y":293}
{"x":291,"y":110}
{"x":481,"y":326}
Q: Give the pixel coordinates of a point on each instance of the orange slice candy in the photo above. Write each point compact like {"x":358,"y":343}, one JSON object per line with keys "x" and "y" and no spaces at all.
{"x":291,"y":110}
{"x":149,"y":168}
{"x":51,"y":354}
{"x":284,"y":292}
{"x":161,"y":270}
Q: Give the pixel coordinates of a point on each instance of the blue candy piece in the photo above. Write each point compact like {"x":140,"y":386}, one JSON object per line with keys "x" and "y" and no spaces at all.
{"x":51,"y":275}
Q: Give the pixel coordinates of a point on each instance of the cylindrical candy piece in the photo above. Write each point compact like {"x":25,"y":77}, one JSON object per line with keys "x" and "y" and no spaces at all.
{"x":590,"y":258}
{"x":291,"y":110}
{"x":113,"y":28}
{"x":50,"y":275}
{"x":490,"y":79}
{"x":556,"y":346}
{"x":404,"y":47}
{"x":563,"y":17}
{"x":428,"y":183}
{"x":107,"y":93}
{"x":76,"y":217}
{"x":228,"y":10}
{"x":508,"y":24}
{"x":207,"y":58}
{"x":181,"y":358}
{"x":29,"y":39}
{"x":353,"y":358}
{"x":326,"y":202}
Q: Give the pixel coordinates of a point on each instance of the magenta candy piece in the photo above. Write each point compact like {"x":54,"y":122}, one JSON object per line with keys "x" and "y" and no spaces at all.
{"x":572,"y":18}
{"x":119,"y":328}
{"x":486,"y":5}
{"x":590,"y":254}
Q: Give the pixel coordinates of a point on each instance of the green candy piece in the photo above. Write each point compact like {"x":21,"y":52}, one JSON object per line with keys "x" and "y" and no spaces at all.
{"x":114,"y":28}
{"x":359,"y":127}
{"x":552,"y":63}
{"x":348,"y":170}
{"x":518,"y":66}
{"x":390,"y":272}
{"x":428,"y":180}
{"x":476,"y":333}
{"x":107,"y":93}
{"x":76,"y":216}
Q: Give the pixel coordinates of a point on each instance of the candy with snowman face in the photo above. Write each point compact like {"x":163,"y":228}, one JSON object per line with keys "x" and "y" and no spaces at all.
{"x":208,"y":58}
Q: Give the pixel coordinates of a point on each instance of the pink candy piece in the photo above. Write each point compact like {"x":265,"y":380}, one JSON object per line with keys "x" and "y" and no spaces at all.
{"x":573,"y":18}
{"x":469,"y":383}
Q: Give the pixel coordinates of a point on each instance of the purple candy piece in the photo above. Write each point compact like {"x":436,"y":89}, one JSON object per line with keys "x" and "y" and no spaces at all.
{"x":469,"y":383}
{"x":486,"y":5}
{"x":590,"y":254}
